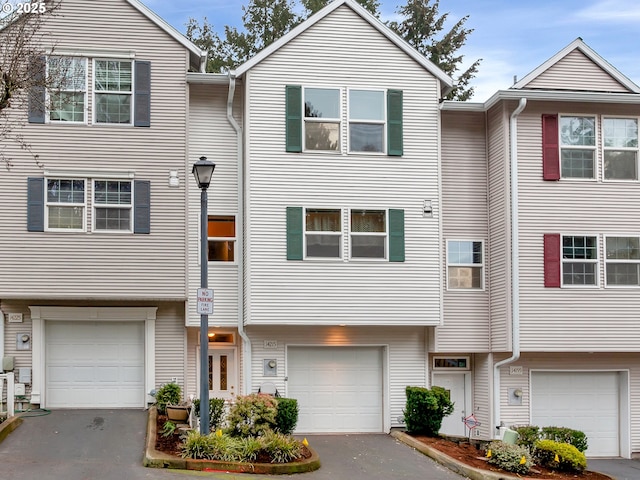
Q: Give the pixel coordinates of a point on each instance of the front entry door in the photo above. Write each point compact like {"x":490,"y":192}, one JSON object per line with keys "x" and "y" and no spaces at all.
{"x":455,"y":383}
{"x":223,"y":377}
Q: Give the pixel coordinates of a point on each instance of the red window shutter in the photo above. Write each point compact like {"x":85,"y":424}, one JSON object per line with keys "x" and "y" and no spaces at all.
{"x":550,"y":148}
{"x":552,"y":260}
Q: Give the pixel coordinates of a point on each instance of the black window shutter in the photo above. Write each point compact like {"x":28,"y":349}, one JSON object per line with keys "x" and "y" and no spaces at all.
{"x":142,"y":206}
{"x":294,"y":118}
{"x":394,"y":123}
{"x":396,"y":235}
{"x":35,"y":204}
{"x":142,"y":100}
{"x":294,"y":233}
{"x":37,"y":92}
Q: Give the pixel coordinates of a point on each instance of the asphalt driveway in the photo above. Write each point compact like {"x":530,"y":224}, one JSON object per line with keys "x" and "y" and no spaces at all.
{"x":109,"y":445}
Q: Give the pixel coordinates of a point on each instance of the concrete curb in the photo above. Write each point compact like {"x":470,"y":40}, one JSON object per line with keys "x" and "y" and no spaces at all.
{"x":9,"y":426}
{"x":154,"y":458}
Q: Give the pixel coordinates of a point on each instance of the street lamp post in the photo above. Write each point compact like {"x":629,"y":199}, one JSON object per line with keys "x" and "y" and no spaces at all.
{"x":203,"y":171}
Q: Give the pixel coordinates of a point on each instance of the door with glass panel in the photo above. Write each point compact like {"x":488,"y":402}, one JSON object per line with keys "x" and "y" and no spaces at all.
{"x":223,"y":377}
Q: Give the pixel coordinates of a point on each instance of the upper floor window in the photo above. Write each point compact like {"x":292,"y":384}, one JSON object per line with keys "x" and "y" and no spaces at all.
{"x":322,"y":119}
{"x":622,"y":261}
{"x":368,"y":234}
{"x":68,"y":97}
{"x":579,"y":260}
{"x":367,"y":114}
{"x":112,"y":205}
{"x":577,"y":146}
{"x":221,"y":238}
{"x":323,"y":233}
{"x":65,"y":204}
{"x":620,"y":144}
{"x":465,"y":264}
{"x":112,"y":90}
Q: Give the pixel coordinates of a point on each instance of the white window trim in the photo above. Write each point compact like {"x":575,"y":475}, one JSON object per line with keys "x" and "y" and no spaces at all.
{"x":607,"y":261}
{"x":369,"y":234}
{"x":96,"y":207}
{"x":313,"y":232}
{"x":132,"y":92}
{"x":471,"y":265}
{"x":626,"y":149}
{"x":596,"y":162}
{"x":383,"y":122}
{"x":338,"y":120}
{"x":596,"y":261}
{"x":86,"y":92}
{"x":233,"y":239}
{"x":47,"y":205}
{"x":451,"y":369}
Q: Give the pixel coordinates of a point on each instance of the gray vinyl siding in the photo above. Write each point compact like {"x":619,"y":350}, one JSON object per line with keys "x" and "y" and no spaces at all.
{"x":482,"y":394}
{"x":343,"y":51}
{"x":99,"y":265}
{"x":499,"y":242}
{"x":590,"y":319}
{"x":405,"y":355}
{"x":170,"y":344}
{"x":577,"y":72}
{"x":211,"y":135}
{"x":465,"y":217}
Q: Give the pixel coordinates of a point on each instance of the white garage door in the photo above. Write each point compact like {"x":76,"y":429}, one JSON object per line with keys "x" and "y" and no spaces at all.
{"x":339,"y":389}
{"x":585,"y":401}
{"x":94,"y":364}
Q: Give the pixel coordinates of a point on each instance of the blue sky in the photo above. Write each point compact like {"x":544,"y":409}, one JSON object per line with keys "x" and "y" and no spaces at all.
{"x":512,"y":37}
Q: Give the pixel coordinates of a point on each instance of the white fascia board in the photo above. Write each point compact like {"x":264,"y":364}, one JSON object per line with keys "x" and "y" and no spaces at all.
{"x":207,"y":78}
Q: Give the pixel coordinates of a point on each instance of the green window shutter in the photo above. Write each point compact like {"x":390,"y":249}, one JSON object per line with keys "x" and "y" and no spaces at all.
{"x":394,"y":123}
{"x":294,"y":233}
{"x":294,"y":118}
{"x":396,"y":235}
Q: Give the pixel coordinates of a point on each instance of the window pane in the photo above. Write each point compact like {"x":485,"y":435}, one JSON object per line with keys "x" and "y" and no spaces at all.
{"x":65,"y":191}
{"x":579,"y":273}
{"x":620,"y":165}
{"x":577,"y":163}
{"x":366,"y":137}
{"x":67,"y":73}
{"x":322,"y":103}
{"x":321,"y":136}
{"x":113,"y":108}
{"x":113,"y":219}
{"x":623,"y":248}
{"x":366,"y":246}
{"x":622,"y":273}
{"x":221,"y":226}
{"x":465,"y":277}
{"x":221,"y":250}
{"x":579,"y":131}
{"x":580,"y":248}
{"x":366,"y":105}
{"x":620,"y":132}
{"x":112,"y":192}
{"x":464,"y":252}
{"x":65,"y":217}
{"x":323,"y":246}
{"x":318,"y":220}
{"x":368,"y":221}
{"x":67,"y":107}
{"x":113,"y":76}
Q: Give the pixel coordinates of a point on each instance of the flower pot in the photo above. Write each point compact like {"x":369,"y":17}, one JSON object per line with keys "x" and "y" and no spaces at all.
{"x":178,"y":413}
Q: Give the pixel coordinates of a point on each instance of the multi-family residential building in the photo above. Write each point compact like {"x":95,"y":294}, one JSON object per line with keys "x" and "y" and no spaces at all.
{"x":363,"y":234}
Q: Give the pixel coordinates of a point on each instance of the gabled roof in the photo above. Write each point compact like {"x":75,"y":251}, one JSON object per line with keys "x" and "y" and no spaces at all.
{"x":447,"y":82}
{"x":578,"y":44}
{"x":198,"y":56}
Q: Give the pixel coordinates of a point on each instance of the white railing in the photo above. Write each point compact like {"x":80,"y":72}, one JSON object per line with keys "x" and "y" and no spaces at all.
{"x":9,"y":378}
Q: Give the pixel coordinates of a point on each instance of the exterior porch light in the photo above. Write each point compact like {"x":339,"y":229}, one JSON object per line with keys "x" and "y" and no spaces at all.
{"x":203,"y":171}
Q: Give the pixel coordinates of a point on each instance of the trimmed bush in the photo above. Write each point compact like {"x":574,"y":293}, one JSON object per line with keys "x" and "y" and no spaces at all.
{"x":510,"y":457}
{"x":560,"y":456}
{"x":287,"y":415}
{"x":216,"y":411}
{"x":528,"y":435}
{"x":565,"y":435}
{"x":169,"y":393}
{"x":281,"y":448}
{"x":252,"y":415}
{"x":425,"y":409}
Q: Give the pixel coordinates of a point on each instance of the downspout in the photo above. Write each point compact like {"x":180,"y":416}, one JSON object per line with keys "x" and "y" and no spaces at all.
{"x":246,"y":343}
{"x":1,"y":342}
{"x":515,"y":265}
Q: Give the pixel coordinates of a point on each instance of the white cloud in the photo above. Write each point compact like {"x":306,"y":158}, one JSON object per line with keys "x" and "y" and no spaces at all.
{"x":615,"y":11}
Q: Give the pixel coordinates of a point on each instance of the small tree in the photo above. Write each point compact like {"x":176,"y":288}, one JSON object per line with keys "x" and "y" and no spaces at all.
{"x":426,"y":408}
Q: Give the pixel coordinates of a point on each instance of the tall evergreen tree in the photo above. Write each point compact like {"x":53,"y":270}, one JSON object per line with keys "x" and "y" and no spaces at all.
{"x":312,"y":6}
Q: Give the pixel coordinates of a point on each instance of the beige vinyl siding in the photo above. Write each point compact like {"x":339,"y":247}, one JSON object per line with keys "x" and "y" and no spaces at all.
{"x":499,"y":221}
{"x":22,"y":358}
{"x":482,"y":394}
{"x":577,"y":72}
{"x":170,"y":344}
{"x":211,"y":135}
{"x":404,"y":357}
{"x":465,"y":217}
{"x":97,"y":265}
{"x":334,"y":52}
{"x":572,"y":319}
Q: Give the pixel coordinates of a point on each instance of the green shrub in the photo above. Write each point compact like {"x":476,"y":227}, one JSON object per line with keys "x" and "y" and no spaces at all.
{"x":168,"y":429}
{"x":560,"y":456}
{"x":287,"y":415}
{"x":426,"y":408}
{"x":197,"y":445}
{"x":252,"y":415}
{"x":510,"y":457}
{"x":248,"y":448}
{"x":216,"y":412}
{"x":528,"y":435}
{"x":168,"y":394}
{"x":281,"y":448}
{"x":565,"y":435}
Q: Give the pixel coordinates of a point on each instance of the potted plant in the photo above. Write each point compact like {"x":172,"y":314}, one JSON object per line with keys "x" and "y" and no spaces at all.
{"x":168,"y":401}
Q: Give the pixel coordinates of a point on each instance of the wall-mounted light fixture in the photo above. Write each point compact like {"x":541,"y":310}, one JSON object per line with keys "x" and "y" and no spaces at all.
{"x":174,"y":181}
{"x":427,"y":209}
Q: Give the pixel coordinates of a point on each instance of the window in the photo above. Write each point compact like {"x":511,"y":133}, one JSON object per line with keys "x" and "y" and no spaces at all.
{"x":222,"y":238}
{"x":577,"y":146}
{"x":112,"y":205}
{"x":579,"y":260}
{"x":464,"y":264}
{"x":366,"y":121}
{"x":67,"y":97}
{"x":448,"y":363}
{"x":623,"y":261}
{"x":368,"y":233}
{"x":322,"y":119}
{"x":323,"y":233}
{"x":65,"y":204}
{"x":113,"y":91}
{"x":620,"y":148}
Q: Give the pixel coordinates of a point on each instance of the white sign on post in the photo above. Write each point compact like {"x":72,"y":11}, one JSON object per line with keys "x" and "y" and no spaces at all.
{"x":205,"y":301}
